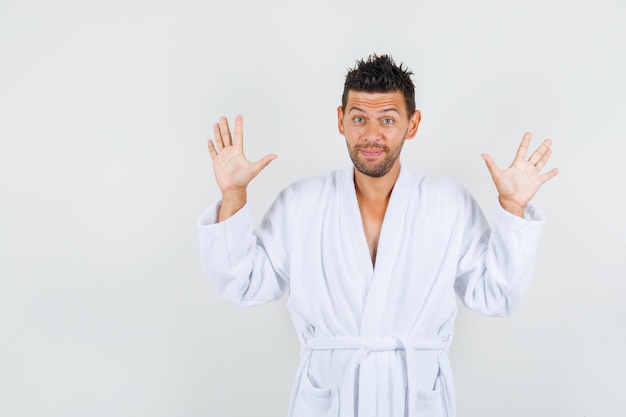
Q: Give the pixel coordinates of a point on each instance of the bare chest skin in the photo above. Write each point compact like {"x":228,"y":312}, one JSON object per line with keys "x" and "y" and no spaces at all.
{"x":372,"y":215}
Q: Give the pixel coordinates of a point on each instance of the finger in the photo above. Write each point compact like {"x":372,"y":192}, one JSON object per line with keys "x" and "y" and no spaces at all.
{"x":225,"y":131}
{"x":549,"y":175}
{"x":219,"y":143}
{"x":262,"y":163}
{"x":212,"y":150}
{"x":540,"y":152}
{"x":493,"y":168}
{"x":523,"y":147}
{"x":544,"y":159}
{"x":238,"y":139}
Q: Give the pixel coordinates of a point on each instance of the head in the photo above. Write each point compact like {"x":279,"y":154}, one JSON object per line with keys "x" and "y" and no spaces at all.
{"x":380,"y":74}
{"x":377,"y":115}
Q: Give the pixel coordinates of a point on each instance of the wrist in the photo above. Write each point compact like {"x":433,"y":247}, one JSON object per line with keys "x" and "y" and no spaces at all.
{"x":232,"y":202}
{"x":512,"y":207}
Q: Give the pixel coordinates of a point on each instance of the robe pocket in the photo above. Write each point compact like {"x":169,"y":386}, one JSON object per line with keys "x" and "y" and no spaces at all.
{"x":312,"y":401}
{"x":430,"y":403}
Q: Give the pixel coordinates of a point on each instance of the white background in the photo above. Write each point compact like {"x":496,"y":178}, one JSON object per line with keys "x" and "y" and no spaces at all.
{"x":105,"y":109}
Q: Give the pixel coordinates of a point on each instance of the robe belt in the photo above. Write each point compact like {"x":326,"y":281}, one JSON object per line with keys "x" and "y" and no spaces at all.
{"x":365,"y":346}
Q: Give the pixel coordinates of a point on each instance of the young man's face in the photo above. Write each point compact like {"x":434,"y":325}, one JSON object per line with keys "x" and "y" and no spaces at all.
{"x":375,"y":126}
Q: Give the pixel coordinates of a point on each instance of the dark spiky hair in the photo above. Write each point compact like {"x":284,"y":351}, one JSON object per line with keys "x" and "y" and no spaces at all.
{"x":380,"y":74}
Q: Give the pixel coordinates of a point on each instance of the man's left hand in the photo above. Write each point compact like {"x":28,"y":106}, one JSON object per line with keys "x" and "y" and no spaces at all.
{"x":518,"y":183}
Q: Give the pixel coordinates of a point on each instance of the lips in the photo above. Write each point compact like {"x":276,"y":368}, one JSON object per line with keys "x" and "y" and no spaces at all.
{"x":371,"y":152}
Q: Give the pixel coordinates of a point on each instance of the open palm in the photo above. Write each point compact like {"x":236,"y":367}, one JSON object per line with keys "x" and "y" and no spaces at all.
{"x":233,"y":171}
{"x":518,"y":183}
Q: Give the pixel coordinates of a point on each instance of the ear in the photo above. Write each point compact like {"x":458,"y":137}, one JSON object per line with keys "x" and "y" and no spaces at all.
{"x":414,"y":122}
{"x":340,"y":120}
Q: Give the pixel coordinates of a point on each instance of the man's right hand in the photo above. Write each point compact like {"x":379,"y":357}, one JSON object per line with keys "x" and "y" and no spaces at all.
{"x":233,"y":172}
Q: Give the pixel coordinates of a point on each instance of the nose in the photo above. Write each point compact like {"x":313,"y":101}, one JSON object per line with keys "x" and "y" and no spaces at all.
{"x":372,"y":132}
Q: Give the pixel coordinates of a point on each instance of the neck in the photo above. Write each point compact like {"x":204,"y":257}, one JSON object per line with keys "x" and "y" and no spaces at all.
{"x":376,"y":189}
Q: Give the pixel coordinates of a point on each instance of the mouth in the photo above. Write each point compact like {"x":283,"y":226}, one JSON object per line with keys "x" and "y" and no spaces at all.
{"x":371,"y":152}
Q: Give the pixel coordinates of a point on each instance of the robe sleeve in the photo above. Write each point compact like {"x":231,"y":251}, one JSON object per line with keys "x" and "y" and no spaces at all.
{"x":496,"y":266}
{"x":246,"y":267}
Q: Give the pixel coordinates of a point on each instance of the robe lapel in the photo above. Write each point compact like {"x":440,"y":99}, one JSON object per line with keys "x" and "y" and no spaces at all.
{"x":390,"y":236}
{"x":354,"y":233}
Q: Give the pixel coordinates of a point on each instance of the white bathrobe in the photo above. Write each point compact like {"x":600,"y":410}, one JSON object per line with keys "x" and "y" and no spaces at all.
{"x":374,"y":340}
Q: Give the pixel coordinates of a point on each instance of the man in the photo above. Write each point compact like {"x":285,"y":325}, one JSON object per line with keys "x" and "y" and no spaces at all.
{"x":373,"y":255}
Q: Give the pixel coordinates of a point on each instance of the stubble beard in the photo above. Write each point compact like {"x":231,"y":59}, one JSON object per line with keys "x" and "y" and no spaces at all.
{"x":378,"y":170}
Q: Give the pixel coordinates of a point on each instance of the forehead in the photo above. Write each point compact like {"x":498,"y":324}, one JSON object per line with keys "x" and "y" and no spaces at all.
{"x":375,"y":102}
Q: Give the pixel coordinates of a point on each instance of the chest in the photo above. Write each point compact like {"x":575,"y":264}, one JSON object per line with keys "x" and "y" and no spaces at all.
{"x":372,"y":216}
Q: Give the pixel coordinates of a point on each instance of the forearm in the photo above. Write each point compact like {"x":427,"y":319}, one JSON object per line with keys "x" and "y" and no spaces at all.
{"x":494,"y":273}
{"x":238,"y":267}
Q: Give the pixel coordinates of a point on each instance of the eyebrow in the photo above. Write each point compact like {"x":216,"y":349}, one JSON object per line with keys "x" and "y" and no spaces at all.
{"x":393,"y":109}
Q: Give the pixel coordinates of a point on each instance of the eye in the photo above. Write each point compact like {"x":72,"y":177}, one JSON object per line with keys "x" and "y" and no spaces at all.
{"x":359,"y":120}
{"x":388,"y":121}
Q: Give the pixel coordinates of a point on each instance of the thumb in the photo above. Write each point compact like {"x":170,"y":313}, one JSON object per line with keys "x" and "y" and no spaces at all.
{"x":493,"y":168}
{"x":262,"y":163}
